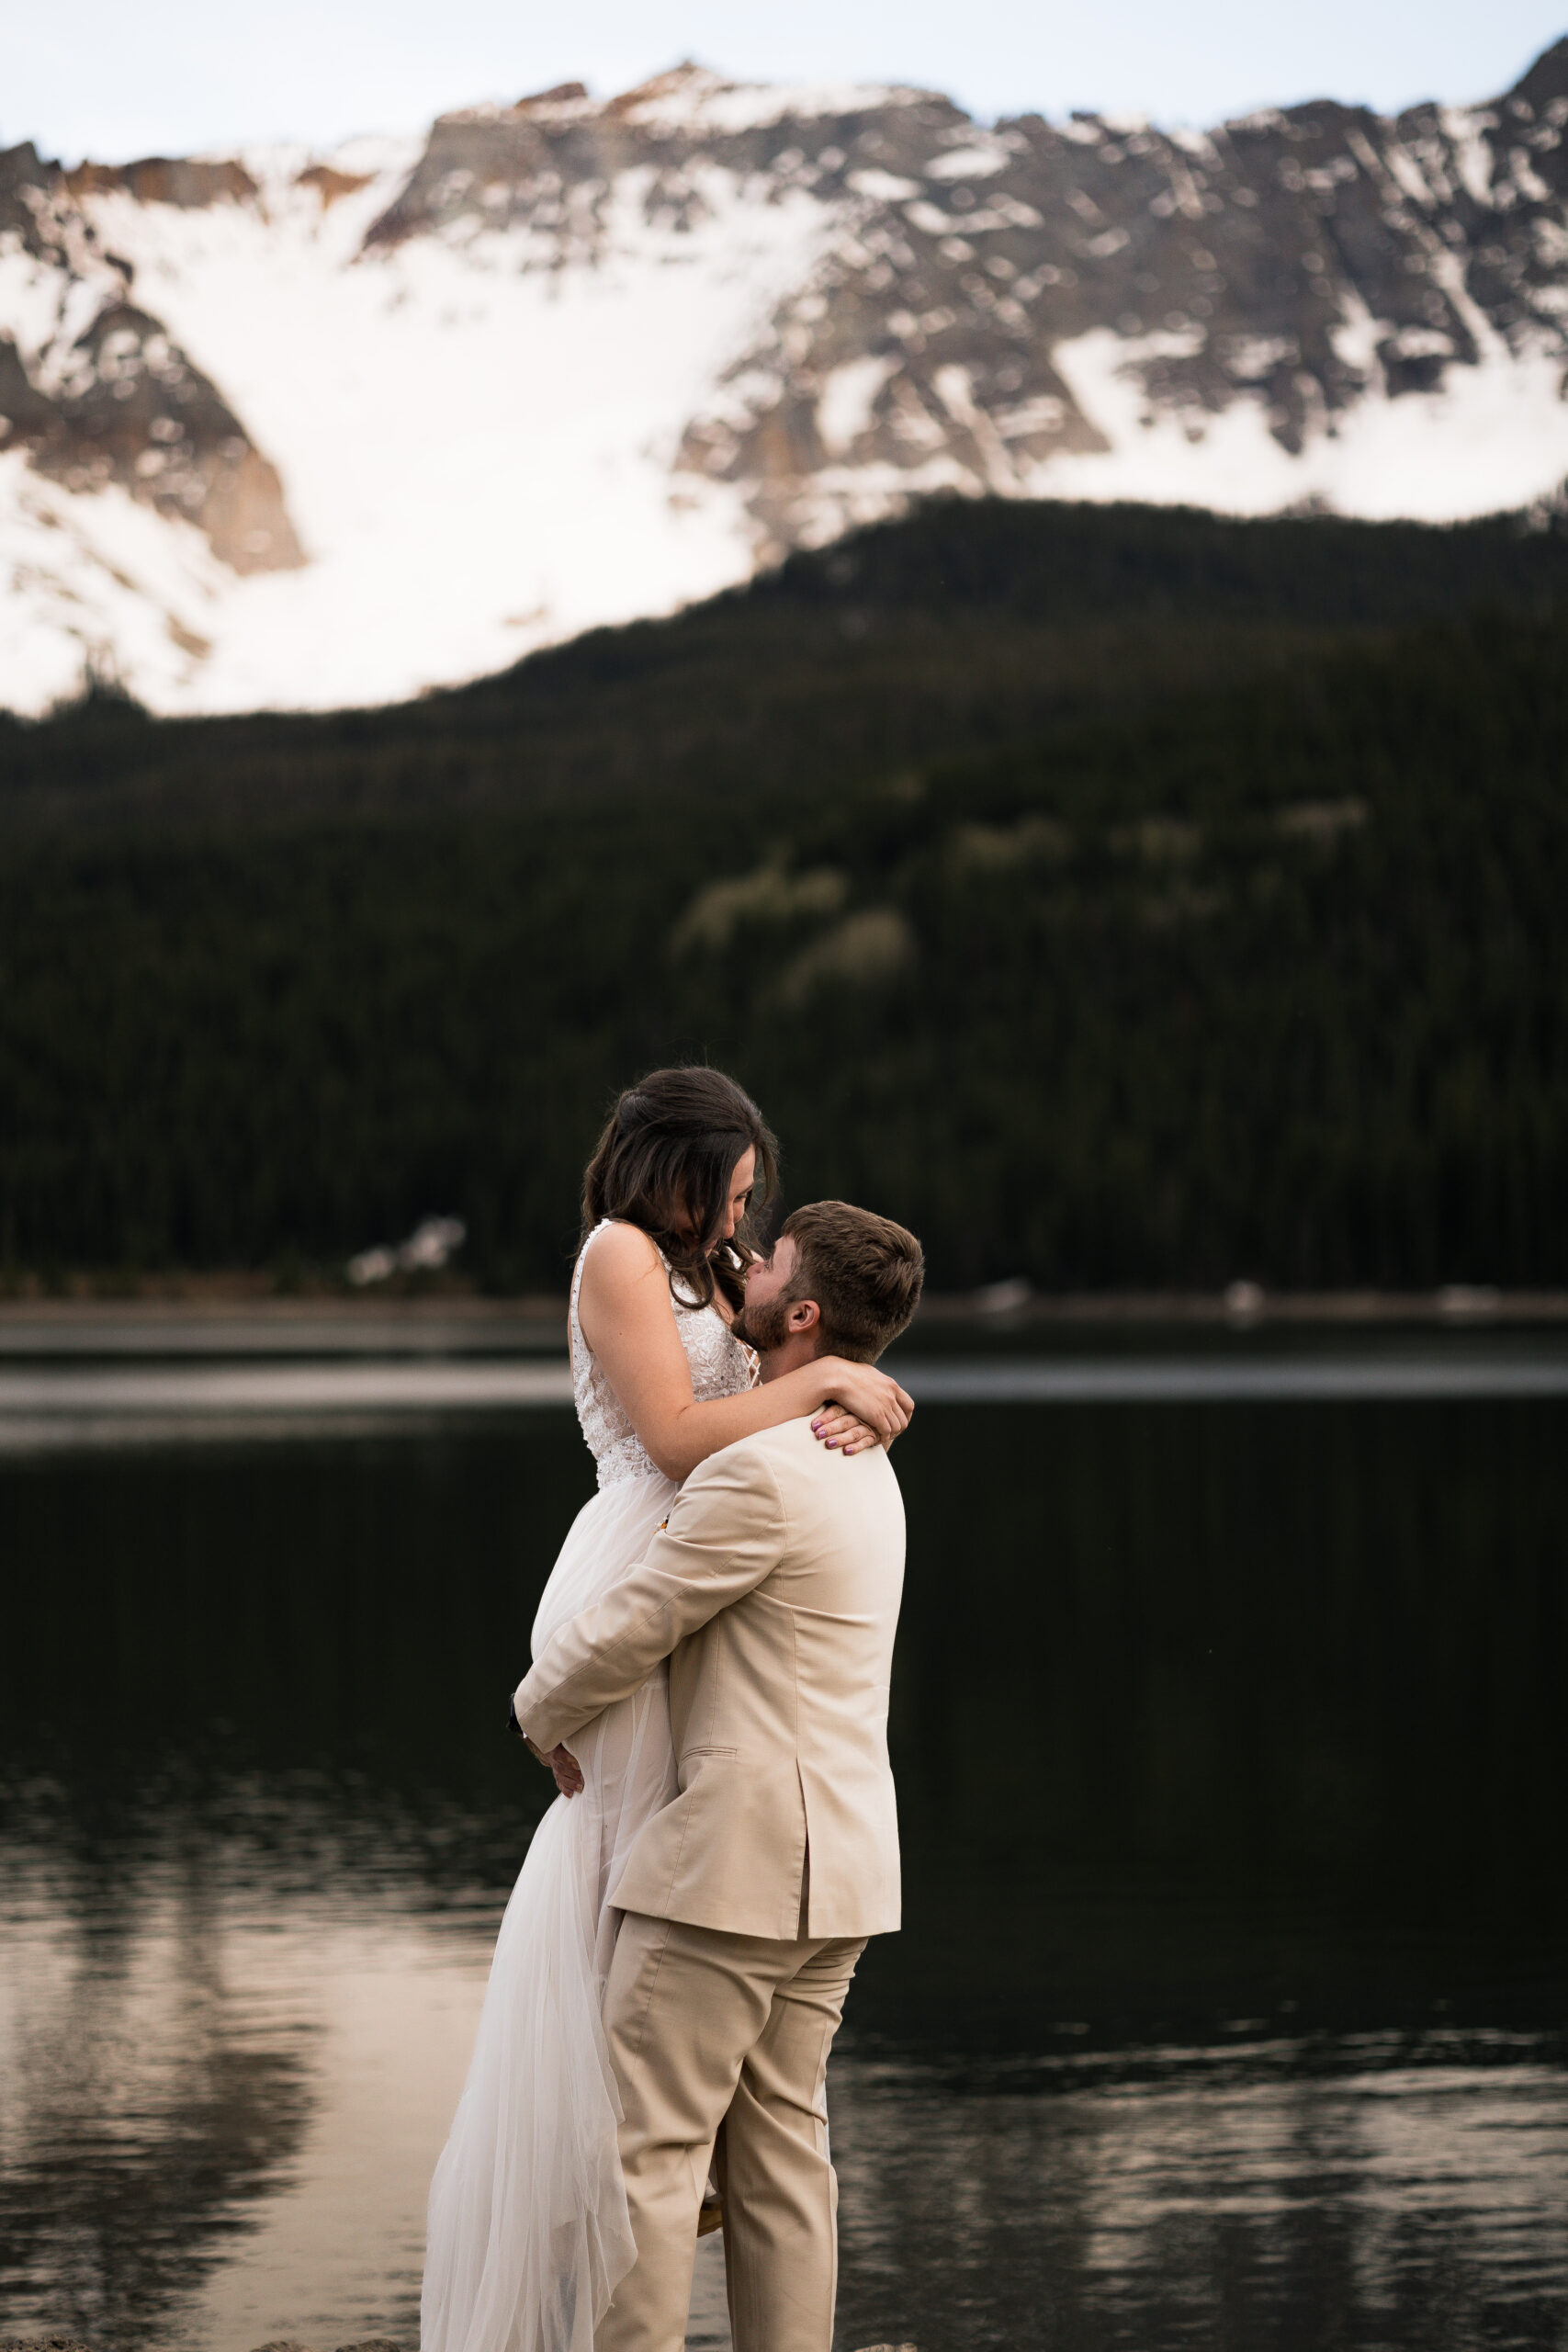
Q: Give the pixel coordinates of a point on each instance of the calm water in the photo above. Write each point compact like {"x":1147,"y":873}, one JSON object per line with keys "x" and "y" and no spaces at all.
{"x":1231,"y":2008}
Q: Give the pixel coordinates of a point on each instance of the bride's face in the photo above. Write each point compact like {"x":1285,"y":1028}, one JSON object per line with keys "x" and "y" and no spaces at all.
{"x":742,"y":1176}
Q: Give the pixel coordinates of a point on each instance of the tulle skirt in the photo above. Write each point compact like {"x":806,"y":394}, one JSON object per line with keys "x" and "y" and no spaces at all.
{"x":528,"y":2233}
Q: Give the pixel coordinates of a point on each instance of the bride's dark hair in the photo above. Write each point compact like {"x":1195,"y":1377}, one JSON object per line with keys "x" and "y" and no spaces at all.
{"x":667,"y":1152}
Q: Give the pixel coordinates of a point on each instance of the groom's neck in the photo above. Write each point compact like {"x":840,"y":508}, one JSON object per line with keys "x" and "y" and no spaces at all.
{"x":800,"y":1348}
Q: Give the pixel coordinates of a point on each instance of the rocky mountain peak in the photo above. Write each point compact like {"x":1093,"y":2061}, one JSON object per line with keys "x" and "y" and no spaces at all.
{"x":989,"y":300}
{"x":95,"y":391}
{"x":1544,"y":86}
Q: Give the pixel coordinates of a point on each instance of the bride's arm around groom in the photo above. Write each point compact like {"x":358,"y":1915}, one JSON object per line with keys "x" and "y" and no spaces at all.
{"x":774,"y":1591}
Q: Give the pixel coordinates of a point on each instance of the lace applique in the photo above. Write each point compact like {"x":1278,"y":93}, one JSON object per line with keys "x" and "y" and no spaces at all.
{"x":720,"y":1367}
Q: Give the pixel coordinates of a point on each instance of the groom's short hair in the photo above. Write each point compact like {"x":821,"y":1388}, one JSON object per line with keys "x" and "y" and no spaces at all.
{"x":864,"y":1272}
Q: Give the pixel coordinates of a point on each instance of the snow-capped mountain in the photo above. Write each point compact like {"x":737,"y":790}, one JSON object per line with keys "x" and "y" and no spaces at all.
{"x":286,"y":429}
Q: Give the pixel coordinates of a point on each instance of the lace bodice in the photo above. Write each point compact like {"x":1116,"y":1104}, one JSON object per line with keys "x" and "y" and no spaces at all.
{"x":720,"y":1367}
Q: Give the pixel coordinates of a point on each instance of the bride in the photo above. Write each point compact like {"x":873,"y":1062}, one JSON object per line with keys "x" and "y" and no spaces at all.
{"x":528,"y":2233}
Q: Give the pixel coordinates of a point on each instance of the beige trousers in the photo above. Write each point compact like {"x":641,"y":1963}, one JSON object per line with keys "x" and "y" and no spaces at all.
{"x":725,"y":2039}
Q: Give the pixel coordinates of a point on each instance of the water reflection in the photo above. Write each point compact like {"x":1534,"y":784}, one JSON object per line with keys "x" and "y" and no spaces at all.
{"x":224,"y":2098}
{"x":228,"y":2068}
{"x":1230,"y":2004}
{"x":146,"y":2104}
{"x":1362,"y":2192}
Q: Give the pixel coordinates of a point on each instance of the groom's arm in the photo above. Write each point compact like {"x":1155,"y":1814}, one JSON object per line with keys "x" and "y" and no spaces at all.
{"x":724,"y":1535}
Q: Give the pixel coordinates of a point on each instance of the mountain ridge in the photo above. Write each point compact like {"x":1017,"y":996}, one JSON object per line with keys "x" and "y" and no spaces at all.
{"x":287,"y":429}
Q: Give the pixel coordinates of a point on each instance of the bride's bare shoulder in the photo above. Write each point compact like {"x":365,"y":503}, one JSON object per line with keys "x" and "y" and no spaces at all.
{"x":622,"y":1256}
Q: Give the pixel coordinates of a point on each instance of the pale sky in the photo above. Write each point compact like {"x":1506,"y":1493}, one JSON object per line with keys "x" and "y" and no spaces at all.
{"x":118,"y":78}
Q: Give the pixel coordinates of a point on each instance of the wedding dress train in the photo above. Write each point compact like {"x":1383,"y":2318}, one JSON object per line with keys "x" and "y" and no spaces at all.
{"x":528,"y":2233}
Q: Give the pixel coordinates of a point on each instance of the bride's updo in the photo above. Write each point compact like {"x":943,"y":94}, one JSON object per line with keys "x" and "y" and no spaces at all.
{"x":664,"y":1163}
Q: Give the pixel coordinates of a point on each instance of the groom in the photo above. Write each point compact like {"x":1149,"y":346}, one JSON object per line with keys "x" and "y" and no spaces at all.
{"x":773,"y":1589}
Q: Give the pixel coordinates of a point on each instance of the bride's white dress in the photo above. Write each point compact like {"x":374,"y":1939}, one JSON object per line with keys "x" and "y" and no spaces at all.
{"x":527,"y":2232}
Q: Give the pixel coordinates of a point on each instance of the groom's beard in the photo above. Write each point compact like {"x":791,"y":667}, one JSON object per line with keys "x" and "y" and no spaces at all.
{"x":763,"y":1324}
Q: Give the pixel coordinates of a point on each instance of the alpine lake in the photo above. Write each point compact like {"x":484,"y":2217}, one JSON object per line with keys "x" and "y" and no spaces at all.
{"x":1231,"y":2004}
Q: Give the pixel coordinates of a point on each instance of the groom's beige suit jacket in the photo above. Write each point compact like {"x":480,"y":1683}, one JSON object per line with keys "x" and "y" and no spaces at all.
{"x":772,"y":1588}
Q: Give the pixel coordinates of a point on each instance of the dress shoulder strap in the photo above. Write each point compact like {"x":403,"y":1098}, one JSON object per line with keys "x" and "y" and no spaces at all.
{"x":577,"y":1346}
{"x":574,"y":1324}
{"x":583,"y":1260}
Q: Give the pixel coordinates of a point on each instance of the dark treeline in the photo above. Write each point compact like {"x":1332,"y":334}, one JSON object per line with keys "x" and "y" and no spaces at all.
{"x":967,"y":628}
{"x":1119,"y":896}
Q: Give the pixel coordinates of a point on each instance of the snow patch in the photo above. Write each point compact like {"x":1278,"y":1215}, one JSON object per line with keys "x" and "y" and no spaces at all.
{"x":848,"y":398}
{"x":1482,"y":445}
{"x":701,"y":100}
{"x":1406,"y":172}
{"x":1463,"y":126}
{"x":1247,"y":357}
{"x":883,"y":186}
{"x":1422,"y":342}
{"x":1356,"y":335}
{"x":98,"y":585}
{"x":968,"y":162}
{"x":476,"y":452}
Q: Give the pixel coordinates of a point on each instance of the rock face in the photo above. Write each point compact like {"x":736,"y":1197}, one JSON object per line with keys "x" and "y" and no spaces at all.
{"x":1293,"y":264}
{"x":96,"y":389}
{"x":573,"y":360}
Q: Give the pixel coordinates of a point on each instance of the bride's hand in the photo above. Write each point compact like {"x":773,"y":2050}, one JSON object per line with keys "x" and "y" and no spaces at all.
{"x":861,"y":1398}
{"x":840,"y":1430}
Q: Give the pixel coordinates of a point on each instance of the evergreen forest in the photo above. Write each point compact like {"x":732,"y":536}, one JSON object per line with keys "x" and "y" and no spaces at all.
{"x":1123,"y":896}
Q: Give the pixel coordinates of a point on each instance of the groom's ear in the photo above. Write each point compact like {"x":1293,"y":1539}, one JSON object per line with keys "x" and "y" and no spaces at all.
{"x":805,"y":1315}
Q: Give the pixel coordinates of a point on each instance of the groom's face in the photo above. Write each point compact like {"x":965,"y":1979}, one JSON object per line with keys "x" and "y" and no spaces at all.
{"x":764,"y":1321}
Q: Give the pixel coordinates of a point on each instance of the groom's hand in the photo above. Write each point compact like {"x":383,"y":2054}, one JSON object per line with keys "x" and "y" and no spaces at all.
{"x":565,"y":1768}
{"x":559,"y":1760}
